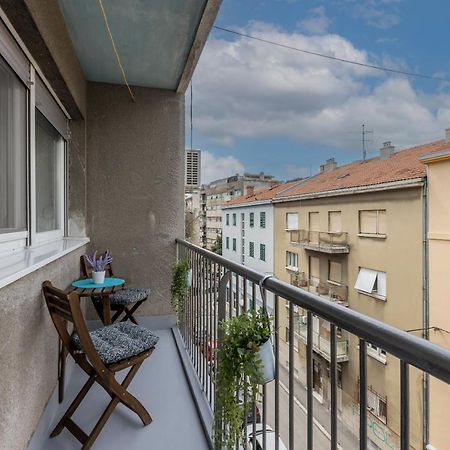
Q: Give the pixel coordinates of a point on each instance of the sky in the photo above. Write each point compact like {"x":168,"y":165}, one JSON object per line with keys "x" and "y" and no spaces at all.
{"x":258,"y":107}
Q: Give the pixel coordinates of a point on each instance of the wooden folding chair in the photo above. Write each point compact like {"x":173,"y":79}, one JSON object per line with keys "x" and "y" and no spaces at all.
{"x":126,"y":301}
{"x":100,"y":353}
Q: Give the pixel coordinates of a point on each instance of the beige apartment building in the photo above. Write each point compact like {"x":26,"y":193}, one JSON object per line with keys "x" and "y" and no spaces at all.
{"x":220,"y":192}
{"x":439,"y":264}
{"x":355,"y":235}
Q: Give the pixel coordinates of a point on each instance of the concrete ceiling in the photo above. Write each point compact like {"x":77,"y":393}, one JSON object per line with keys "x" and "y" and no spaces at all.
{"x":153,"y":37}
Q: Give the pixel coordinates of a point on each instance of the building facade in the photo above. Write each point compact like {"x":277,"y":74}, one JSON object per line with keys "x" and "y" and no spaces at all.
{"x":220,"y":192}
{"x":355,"y":236}
{"x":248,"y":238}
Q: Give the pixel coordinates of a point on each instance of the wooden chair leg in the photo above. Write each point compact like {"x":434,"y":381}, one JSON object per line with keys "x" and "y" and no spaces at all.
{"x":129,"y":312}
{"x":73,"y":407}
{"x":112,"y":405}
{"x":117,"y":314}
{"x":61,"y":370}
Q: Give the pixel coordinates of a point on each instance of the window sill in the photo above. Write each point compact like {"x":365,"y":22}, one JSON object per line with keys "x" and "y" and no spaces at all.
{"x":20,"y":263}
{"x":378,"y":297}
{"x":292,"y":269}
{"x":334,"y":283}
{"x":373,"y":236}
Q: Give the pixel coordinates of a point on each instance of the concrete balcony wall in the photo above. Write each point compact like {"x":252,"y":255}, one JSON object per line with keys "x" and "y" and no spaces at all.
{"x":135,"y":184}
{"x":29,"y":350}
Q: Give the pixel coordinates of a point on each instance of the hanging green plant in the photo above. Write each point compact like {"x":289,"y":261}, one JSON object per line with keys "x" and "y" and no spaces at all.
{"x":241,"y":373}
{"x":181,"y":282}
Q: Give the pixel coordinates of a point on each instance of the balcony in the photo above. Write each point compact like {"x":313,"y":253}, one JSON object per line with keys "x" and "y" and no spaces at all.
{"x":321,"y":241}
{"x":334,"y":292}
{"x":321,"y":344}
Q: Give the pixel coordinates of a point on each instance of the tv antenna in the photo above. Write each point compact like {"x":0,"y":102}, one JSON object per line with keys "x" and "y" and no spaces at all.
{"x":365,"y":140}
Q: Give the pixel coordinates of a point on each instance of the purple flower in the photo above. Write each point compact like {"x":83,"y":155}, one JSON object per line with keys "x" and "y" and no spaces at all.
{"x":99,"y":264}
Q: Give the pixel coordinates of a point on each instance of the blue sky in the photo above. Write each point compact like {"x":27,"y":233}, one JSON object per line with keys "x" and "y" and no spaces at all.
{"x":261,"y":108}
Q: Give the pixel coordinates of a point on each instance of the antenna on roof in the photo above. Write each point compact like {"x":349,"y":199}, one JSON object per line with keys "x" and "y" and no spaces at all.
{"x":365,"y":140}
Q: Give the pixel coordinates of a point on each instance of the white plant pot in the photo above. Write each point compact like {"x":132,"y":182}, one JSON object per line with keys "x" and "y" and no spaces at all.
{"x":98,"y":277}
{"x":268,"y":361}
{"x":189,"y":278}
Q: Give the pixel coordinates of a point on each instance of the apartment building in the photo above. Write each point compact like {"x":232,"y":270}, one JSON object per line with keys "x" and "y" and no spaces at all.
{"x":220,"y":192}
{"x":193,"y":217}
{"x":355,"y":235}
{"x":248,"y":238}
{"x":438,"y":170}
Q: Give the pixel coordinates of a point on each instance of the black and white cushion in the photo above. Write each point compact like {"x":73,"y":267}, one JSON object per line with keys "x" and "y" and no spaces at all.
{"x":128,"y":296}
{"x":119,"y":341}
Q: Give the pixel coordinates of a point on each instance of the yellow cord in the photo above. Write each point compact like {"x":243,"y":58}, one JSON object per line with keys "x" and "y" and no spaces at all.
{"x":100,"y":2}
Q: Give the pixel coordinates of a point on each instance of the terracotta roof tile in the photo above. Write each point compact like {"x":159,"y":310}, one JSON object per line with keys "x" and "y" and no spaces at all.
{"x":402,"y":165}
{"x":266,"y":194}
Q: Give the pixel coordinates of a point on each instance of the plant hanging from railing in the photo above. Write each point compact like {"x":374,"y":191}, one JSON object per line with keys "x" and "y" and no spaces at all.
{"x":181,"y":282}
{"x":241,"y":372}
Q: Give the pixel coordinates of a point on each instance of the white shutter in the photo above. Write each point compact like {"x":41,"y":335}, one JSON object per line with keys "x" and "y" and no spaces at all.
{"x":381,"y":283}
{"x":292,"y":221}
{"x":366,"y":280}
{"x":335,"y":272}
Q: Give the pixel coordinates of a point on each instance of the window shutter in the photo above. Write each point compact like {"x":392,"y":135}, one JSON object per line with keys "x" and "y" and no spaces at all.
{"x":313,"y":221}
{"x":292,"y":221}
{"x":381,"y":283}
{"x":13,"y":55}
{"x":335,"y":272}
{"x":314,"y":267}
{"x":50,"y":109}
{"x":368,"y":222}
{"x":366,"y":280}
{"x":334,"y":221}
{"x":382,"y":221}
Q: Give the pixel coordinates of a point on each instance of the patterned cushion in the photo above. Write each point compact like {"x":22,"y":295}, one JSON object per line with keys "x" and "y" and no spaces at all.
{"x":119,"y":341}
{"x":128,"y":296}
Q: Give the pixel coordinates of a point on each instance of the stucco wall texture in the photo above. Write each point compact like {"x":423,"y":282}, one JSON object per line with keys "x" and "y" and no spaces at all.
{"x":29,"y":350}
{"x":135,"y":184}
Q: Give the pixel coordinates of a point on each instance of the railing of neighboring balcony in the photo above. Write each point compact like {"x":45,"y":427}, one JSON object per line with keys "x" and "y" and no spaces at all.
{"x":211,"y":301}
{"x":336,"y":292}
{"x":321,"y":241}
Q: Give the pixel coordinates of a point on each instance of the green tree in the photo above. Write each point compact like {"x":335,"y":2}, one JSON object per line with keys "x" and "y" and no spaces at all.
{"x":217,"y":247}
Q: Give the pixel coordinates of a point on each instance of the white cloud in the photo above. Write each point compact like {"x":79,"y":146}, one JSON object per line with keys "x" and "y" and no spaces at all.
{"x":215,"y":167}
{"x":317,"y":21}
{"x":382,"y":14}
{"x":247,"y":89}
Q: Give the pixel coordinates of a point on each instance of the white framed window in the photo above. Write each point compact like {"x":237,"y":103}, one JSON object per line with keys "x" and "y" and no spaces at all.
{"x":234,"y":244}
{"x":291,"y":261}
{"x":251,"y":249}
{"x":372,"y":282}
{"x":291,"y":221}
{"x":376,"y":352}
{"x":33,"y":133}
{"x":227,"y":242}
{"x":377,"y":405}
{"x":262,"y":219}
{"x":262,"y":252}
{"x":234,"y":220}
{"x":372,"y":222}
{"x":228,"y":219}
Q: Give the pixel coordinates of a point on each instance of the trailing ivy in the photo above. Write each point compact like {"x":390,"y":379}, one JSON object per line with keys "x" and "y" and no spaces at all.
{"x":240,"y":372}
{"x":180,"y":286}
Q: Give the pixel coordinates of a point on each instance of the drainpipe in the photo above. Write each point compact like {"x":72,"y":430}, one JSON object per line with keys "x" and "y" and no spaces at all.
{"x":426,"y":314}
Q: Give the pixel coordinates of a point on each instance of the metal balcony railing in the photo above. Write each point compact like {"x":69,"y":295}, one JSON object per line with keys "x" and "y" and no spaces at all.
{"x":210,"y":301}
{"x":321,"y":241}
{"x":322,"y":345}
{"x":332,"y":291}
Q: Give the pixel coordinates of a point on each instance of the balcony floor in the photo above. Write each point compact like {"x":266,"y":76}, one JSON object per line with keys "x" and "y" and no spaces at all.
{"x":161,"y":387}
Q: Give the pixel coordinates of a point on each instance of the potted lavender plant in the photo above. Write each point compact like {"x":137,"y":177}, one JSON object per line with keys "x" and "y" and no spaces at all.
{"x":98,"y":266}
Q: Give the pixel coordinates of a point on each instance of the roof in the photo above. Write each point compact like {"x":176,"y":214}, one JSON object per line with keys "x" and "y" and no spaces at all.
{"x":263,"y":195}
{"x":401,"y":166}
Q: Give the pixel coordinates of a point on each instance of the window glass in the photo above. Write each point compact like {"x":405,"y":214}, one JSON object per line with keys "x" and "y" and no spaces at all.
{"x":228,"y":219}
{"x":234,"y":219}
{"x":252,"y":219}
{"x":227,"y":242}
{"x":262,"y":252}
{"x":251,"y":249}
{"x":49,"y":183}
{"x":13,"y":138}
{"x":234,"y":244}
